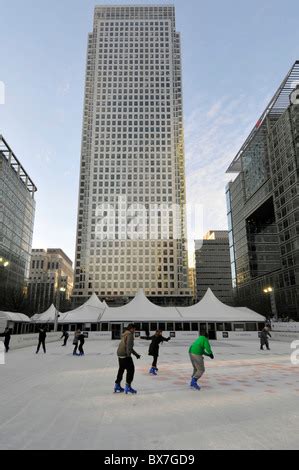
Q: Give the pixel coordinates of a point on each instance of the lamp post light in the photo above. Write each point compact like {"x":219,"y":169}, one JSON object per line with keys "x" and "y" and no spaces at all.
{"x":4,"y":262}
{"x":61,"y":289}
{"x":270,"y":291}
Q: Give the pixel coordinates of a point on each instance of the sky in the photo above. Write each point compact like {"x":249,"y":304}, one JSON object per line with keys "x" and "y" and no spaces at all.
{"x":234,"y":55}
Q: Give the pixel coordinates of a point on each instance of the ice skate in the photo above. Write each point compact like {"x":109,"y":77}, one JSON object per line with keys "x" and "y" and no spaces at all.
{"x":118,"y":389}
{"x":152,"y":371}
{"x":129,"y":389}
{"x":194,"y":384}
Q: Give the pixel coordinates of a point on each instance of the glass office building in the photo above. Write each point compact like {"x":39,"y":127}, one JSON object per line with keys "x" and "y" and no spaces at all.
{"x":17,"y":208}
{"x":263,"y":207}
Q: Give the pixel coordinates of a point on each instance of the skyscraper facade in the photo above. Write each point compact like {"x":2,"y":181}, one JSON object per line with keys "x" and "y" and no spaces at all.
{"x":17,"y":209}
{"x":50,"y":279}
{"x":263,"y":208}
{"x":131,"y":224}
{"x":213,"y":268}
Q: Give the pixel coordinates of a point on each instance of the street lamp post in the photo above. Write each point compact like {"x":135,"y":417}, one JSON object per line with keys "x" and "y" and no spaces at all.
{"x":4,"y":263}
{"x":61,"y":289}
{"x":270,"y":291}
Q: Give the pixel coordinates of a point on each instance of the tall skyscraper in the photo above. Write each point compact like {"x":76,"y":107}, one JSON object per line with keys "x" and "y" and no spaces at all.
{"x":263,"y":207}
{"x":131,"y":224}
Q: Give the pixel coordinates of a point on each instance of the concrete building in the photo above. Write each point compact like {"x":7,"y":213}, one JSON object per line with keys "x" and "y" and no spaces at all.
{"x":17,"y":209}
{"x":263,"y":207}
{"x":213,"y":266}
{"x":50,"y":279}
{"x":192,"y":284}
{"x":132,"y":160}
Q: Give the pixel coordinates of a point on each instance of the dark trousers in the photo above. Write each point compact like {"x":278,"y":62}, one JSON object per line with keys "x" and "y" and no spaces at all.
{"x":155,"y":359}
{"x":41,"y":342}
{"x":81,"y":348}
{"x":75,"y":349}
{"x":127,"y":364}
{"x":265,"y":342}
{"x":65,"y":341}
{"x":6,"y":345}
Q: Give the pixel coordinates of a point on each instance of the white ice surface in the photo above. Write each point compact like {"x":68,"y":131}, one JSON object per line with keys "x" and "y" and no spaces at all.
{"x":249,"y":399}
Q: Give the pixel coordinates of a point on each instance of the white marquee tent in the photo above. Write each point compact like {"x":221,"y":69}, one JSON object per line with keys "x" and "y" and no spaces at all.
{"x":90,"y":312}
{"x":15,"y":317}
{"x":209,"y":308}
{"x":48,"y":316}
{"x":140,"y":309}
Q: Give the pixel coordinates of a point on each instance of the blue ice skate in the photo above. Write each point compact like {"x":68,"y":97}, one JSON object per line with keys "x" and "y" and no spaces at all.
{"x":194,"y":384}
{"x":153,"y":371}
{"x":118,"y":389}
{"x":129,"y":389}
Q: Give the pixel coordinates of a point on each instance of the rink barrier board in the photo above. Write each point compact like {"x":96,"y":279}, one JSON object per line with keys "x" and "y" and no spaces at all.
{"x":285,"y":327}
{"x":31,"y":339}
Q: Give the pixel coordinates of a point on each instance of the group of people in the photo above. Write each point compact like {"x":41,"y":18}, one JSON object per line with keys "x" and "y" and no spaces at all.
{"x":78,"y":341}
{"x":200,"y":348}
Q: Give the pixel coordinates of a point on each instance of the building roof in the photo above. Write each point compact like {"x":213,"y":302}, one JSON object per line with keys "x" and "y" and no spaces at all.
{"x":16,"y":165}
{"x":278,"y":104}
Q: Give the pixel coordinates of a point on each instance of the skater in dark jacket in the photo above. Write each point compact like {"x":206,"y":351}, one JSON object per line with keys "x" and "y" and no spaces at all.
{"x":81,"y":339}
{"x":7,"y":336}
{"x":65,"y":335}
{"x":125,"y":361}
{"x":41,"y":340}
{"x":156,"y":340}
{"x":264,"y":338}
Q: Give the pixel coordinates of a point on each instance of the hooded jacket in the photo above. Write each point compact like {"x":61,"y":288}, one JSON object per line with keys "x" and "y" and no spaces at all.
{"x":126,"y":345}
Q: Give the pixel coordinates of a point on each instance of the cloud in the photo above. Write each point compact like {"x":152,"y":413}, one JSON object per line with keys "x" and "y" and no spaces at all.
{"x":214,"y":132}
{"x":44,"y":156}
{"x":64,"y":88}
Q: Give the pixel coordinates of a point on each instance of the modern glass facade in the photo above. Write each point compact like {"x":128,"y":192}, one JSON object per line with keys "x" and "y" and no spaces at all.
{"x":17,"y":208}
{"x":132,"y":154}
{"x":263,"y":208}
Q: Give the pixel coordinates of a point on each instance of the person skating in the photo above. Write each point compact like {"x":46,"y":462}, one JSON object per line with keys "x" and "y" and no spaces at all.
{"x":156,"y":340}
{"x":125,"y":361}
{"x":65,"y":335}
{"x":264,"y":338}
{"x":41,"y":340}
{"x":76,"y":342}
{"x":81,"y":339}
{"x":200,"y":348}
{"x":7,"y":336}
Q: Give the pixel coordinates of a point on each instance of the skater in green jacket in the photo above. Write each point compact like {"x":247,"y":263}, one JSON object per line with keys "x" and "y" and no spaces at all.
{"x":200,"y":348}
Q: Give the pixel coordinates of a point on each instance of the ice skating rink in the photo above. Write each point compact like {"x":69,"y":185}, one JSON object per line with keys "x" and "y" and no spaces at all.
{"x":249,"y":399}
